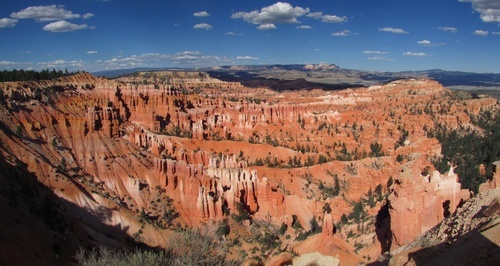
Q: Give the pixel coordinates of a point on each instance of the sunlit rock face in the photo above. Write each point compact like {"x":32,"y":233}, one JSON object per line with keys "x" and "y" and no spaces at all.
{"x":418,"y":202}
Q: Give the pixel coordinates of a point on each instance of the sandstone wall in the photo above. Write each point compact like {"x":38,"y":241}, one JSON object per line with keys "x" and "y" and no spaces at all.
{"x":418,"y":202}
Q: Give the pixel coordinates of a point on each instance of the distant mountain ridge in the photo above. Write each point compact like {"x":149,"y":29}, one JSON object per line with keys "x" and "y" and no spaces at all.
{"x":324,"y":75}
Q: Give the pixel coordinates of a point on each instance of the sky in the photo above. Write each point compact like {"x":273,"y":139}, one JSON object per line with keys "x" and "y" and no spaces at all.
{"x":372,"y":35}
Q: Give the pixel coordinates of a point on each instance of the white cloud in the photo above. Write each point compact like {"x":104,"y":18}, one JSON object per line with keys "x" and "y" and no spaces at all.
{"x":304,"y":27}
{"x":429,"y":43}
{"x":326,"y":18}
{"x":246,"y":57}
{"x":495,"y":32}
{"x":393,"y":30}
{"x":277,"y":13}
{"x":58,"y":64}
{"x":375,"y":52}
{"x":333,"y":19}
{"x":232,"y":33}
{"x":266,"y":27}
{"x":201,"y":14}
{"x":343,"y":33}
{"x":450,"y":29}
{"x":45,"y":13}
{"x":424,"y":42}
{"x":92,"y":52}
{"x":315,"y":15}
{"x":63,"y":26}
{"x":380,"y":58}
{"x":185,"y":58}
{"x":204,"y":26}
{"x":7,"y":22}
{"x":489,"y":10}
{"x":181,"y":59}
{"x":186,"y":55}
{"x":88,"y":15}
{"x":6,"y":63}
{"x":481,"y":32}
{"x":415,"y":54}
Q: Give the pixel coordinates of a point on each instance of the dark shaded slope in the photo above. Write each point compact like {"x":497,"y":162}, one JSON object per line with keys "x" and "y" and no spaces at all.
{"x":39,"y":228}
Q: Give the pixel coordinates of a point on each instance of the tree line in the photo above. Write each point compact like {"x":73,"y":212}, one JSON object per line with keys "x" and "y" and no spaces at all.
{"x":468,"y":149}
{"x":27,"y":75}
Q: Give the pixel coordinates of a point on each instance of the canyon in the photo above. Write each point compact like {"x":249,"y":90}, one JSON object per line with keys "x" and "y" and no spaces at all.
{"x":128,"y":161}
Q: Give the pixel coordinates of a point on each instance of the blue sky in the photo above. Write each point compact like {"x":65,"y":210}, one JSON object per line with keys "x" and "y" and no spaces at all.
{"x":381,"y":35}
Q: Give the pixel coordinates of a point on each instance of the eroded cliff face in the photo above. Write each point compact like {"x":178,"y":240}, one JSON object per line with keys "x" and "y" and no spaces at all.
{"x":418,"y":202}
{"x":141,"y":145}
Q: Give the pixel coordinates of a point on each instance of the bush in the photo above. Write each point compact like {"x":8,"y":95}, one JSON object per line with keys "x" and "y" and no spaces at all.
{"x":184,"y":248}
{"x":283,"y":229}
{"x":109,"y":257}
{"x":315,"y":227}
{"x":223,"y":228}
{"x":327,"y":208}
{"x":63,"y":165}
{"x":344,"y":219}
{"x":295,"y":222}
{"x":358,"y":211}
{"x":19,"y":131}
{"x":2,"y":98}
{"x":242,"y":212}
{"x":376,"y":150}
{"x":194,"y":248}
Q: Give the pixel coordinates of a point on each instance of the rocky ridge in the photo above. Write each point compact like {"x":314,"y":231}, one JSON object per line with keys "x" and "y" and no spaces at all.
{"x":479,"y":214}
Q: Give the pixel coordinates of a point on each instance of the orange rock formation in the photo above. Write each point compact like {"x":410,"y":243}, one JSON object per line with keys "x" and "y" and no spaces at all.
{"x":131,"y":144}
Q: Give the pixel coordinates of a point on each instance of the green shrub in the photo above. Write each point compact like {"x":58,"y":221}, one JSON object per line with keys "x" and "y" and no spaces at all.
{"x":283,"y":229}
{"x":315,"y":227}
{"x":184,"y":248}
{"x":295,"y":222}
{"x":242,"y":212}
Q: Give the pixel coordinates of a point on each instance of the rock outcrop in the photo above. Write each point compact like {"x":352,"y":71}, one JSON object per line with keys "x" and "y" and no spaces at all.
{"x":418,"y":202}
{"x":495,"y":180}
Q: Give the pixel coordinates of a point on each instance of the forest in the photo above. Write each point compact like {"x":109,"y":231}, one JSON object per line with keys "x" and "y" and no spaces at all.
{"x":26,"y":75}
{"x":468,"y":149}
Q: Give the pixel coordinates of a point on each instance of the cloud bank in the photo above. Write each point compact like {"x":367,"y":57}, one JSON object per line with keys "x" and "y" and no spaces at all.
{"x":489,"y":10}
{"x":246,"y":57}
{"x":48,"y":13}
{"x":45,"y":13}
{"x":267,"y":17}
